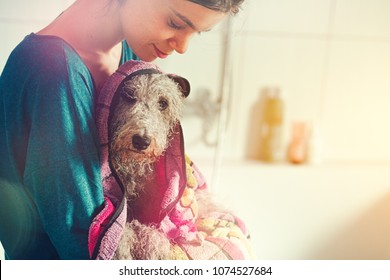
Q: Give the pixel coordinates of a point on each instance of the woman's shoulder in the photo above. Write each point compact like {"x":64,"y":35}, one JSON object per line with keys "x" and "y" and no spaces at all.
{"x":47,"y":61}
{"x":43,"y":65}
{"x":42,"y":54}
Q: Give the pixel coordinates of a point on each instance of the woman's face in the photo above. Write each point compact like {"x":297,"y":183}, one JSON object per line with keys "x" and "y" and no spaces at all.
{"x":155,"y":28}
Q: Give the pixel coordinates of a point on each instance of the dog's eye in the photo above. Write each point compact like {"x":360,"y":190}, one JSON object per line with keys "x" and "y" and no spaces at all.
{"x":129,"y":96}
{"x":163,"y":104}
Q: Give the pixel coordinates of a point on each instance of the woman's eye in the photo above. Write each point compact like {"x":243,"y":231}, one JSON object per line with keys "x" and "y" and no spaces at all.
{"x":163,"y":104}
{"x":174,"y":25}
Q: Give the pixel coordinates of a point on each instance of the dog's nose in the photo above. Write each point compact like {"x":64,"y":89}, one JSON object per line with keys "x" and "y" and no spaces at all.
{"x":140,"y":142}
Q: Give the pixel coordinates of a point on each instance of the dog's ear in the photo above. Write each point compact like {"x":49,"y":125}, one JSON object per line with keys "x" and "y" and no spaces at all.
{"x":183,"y":83}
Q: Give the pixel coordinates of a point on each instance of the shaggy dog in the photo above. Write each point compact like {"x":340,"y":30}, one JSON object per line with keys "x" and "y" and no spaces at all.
{"x":145,"y":114}
{"x":142,"y":124}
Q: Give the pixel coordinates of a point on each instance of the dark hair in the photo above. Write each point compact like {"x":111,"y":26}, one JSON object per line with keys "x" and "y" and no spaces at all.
{"x":225,"y":6}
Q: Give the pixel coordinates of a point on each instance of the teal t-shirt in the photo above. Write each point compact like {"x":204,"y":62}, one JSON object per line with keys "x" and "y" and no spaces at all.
{"x":50,"y":185}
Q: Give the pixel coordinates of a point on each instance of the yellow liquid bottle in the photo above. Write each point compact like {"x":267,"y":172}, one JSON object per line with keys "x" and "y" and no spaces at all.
{"x":271,"y":146}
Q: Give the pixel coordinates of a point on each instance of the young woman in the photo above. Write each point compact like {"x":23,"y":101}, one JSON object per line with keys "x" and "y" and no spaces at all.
{"x":50,"y":184}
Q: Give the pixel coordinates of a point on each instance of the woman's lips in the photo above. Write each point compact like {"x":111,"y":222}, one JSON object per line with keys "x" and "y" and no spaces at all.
{"x":159,"y":53}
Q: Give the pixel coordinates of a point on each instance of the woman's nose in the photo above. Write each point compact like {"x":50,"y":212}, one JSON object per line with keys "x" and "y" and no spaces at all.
{"x":180,"y":43}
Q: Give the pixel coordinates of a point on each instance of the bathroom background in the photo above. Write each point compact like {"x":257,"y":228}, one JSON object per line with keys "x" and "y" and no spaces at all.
{"x":330,"y":60}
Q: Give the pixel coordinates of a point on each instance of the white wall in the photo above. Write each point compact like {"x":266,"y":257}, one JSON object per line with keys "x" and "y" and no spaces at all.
{"x":331,"y":59}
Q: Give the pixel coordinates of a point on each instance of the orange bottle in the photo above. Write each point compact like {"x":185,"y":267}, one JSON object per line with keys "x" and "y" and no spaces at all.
{"x":298,"y":146}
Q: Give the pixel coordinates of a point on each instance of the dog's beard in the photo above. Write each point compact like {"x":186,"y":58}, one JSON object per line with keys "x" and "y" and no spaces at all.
{"x":134,"y":167}
{"x":132,"y":171}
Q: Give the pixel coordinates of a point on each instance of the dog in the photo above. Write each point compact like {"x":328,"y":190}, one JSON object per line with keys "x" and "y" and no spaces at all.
{"x":144,"y":119}
{"x":145,"y":114}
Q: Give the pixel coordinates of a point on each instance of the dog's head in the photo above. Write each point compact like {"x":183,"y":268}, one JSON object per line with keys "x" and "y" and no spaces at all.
{"x":144,"y":112}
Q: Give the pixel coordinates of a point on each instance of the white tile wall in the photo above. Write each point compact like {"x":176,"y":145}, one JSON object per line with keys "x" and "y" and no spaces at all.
{"x":362,"y":18}
{"x":286,"y":16}
{"x":22,"y":10}
{"x":356,"y":116}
